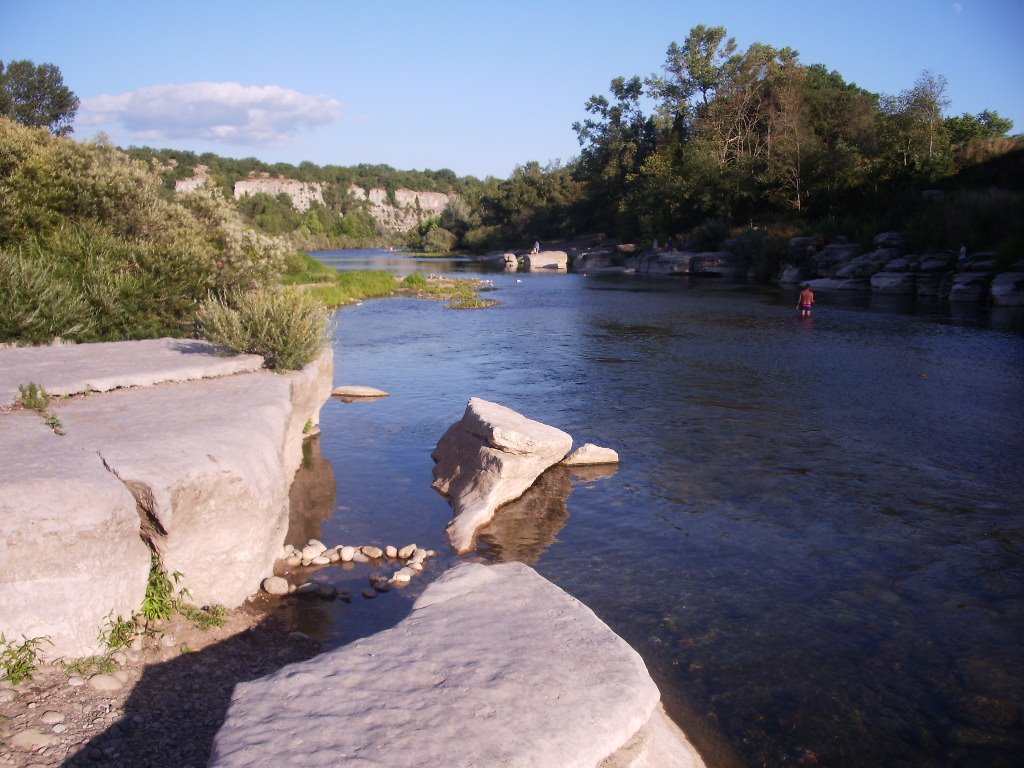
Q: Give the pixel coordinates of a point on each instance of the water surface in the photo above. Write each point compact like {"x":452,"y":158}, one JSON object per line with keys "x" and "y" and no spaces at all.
{"x":814,"y":538}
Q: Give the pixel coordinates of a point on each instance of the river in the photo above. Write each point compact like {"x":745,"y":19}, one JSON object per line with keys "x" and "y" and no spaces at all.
{"x":815,"y":537}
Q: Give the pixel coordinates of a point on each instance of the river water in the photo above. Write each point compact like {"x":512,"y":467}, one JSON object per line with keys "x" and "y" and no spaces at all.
{"x":814,"y":539}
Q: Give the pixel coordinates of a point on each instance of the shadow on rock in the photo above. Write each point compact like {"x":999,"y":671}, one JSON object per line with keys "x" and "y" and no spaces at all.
{"x":177,"y":706}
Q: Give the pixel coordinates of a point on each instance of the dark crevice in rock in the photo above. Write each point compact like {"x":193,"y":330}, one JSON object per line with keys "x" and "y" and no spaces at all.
{"x":149,"y":524}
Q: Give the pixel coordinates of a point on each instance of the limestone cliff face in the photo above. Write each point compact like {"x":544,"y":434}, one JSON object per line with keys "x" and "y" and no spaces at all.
{"x":302,"y":194}
{"x":409,"y":209}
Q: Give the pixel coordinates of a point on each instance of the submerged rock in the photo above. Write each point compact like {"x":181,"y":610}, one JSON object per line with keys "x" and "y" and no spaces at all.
{"x":356,"y":391}
{"x":489,"y":457}
{"x":588,"y":453}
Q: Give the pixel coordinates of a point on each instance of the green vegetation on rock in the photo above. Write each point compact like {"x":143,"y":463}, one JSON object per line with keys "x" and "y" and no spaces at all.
{"x":18,"y":660}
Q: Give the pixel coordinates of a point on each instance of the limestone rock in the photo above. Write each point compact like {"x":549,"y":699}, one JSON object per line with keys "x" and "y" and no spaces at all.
{"x":56,"y":497}
{"x":833,"y":257}
{"x":837,"y":284}
{"x":487,"y":655}
{"x":489,"y":457}
{"x":660,"y":264}
{"x":894,"y":283}
{"x":1008,"y":289}
{"x":790,"y":274}
{"x":867,"y":264}
{"x":74,"y":368}
{"x":275,"y":585}
{"x":588,"y":453}
{"x":546,"y":261}
{"x":722,"y":263}
{"x":104,"y":682}
{"x":30,"y":740}
{"x":970,"y":287}
{"x":890,"y":240}
{"x":354,"y":390}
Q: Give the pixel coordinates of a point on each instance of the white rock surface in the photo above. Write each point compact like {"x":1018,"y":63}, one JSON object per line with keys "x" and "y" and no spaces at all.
{"x":74,"y":368}
{"x":1008,"y":289}
{"x":199,"y":468}
{"x":588,"y":453}
{"x":353,"y":390}
{"x":546,"y":261}
{"x":490,"y":457}
{"x":494,"y":666}
{"x":56,"y":498}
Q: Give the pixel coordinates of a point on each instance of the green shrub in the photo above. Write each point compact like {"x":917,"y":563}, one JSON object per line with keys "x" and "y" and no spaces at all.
{"x":709,"y":235}
{"x":353,"y":285}
{"x":206,"y":617}
{"x":288,"y":328}
{"x":91,"y":249}
{"x":33,"y":397}
{"x":18,"y":660}
{"x":301,"y":268}
{"x":415,"y":280}
{"x":160,"y":601}
{"x":117,"y":633}
{"x":90,"y":666}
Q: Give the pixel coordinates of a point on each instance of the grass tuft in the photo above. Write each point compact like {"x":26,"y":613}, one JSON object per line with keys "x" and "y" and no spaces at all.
{"x":18,"y":660}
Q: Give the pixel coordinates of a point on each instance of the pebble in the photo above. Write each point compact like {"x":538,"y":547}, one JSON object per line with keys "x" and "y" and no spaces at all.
{"x":6,"y":696}
{"x":400,"y":577}
{"x":311,"y":550}
{"x":288,"y":551}
{"x":120,"y":657}
{"x":327,"y":592}
{"x":333,"y":555}
{"x":372,"y":552}
{"x":369,"y":594}
{"x":347,"y":553}
{"x":307,"y":589}
{"x":391,"y":551}
{"x":32,"y":739}
{"x":136,"y":644}
{"x":102,"y":682}
{"x":75,"y":681}
{"x":168,"y":641}
{"x":304,"y":562}
{"x":359,"y":557}
{"x":419,"y":554}
{"x":294,"y":560}
{"x":381,"y":586}
{"x":275,"y":585}
{"x":51,"y":717}
{"x":406,"y":552}
{"x":407,"y":571}
{"x":59,"y":728}
{"x":320,"y":560}
{"x":316,"y":543}
{"x":416,"y":565}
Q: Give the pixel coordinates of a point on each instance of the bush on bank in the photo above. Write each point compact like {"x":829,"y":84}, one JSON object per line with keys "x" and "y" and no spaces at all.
{"x":288,"y":327}
{"x":90,"y":250}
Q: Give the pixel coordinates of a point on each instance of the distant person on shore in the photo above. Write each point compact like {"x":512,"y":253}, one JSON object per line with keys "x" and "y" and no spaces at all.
{"x":536,"y":247}
{"x":961,"y":260}
{"x":805,"y":301}
{"x":656,"y":248}
{"x":670,"y":244}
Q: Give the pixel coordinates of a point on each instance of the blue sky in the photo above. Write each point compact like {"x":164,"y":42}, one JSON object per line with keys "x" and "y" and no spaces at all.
{"x":477,"y":87}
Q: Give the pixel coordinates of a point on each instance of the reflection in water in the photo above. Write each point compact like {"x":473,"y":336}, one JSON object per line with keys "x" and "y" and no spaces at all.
{"x":522,"y":529}
{"x":311,"y":497}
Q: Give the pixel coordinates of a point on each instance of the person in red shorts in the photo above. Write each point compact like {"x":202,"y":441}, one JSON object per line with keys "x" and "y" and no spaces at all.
{"x":805,"y":301}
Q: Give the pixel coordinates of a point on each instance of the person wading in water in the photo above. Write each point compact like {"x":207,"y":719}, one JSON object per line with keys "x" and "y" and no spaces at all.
{"x":805,"y":301}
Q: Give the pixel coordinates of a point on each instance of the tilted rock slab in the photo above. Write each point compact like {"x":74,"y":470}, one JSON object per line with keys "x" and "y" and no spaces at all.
{"x":490,"y":457}
{"x":357,"y":391}
{"x":494,"y":666}
{"x":199,"y":469}
{"x":75,"y":368}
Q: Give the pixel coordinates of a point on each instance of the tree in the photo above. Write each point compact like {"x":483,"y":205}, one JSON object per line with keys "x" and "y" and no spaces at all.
{"x":985,"y":125}
{"x":36,"y":96}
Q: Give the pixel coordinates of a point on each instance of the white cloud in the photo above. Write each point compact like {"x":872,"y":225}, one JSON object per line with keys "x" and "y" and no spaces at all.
{"x":262,"y":115}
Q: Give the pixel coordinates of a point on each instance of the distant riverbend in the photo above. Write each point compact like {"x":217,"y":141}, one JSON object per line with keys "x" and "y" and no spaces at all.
{"x":814,"y":538}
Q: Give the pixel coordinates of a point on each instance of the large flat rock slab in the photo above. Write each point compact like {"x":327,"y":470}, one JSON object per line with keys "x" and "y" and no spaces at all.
{"x":70,"y":552}
{"x":70,"y":369}
{"x":495,"y":666}
{"x":488,"y":458}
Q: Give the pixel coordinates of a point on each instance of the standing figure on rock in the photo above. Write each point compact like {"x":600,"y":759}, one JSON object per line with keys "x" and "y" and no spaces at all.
{"x":536,"y":247}
{"x":805,"y":301}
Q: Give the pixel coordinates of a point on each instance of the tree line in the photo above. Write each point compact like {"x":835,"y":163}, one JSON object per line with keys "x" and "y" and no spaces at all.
{"x":721,"y":140}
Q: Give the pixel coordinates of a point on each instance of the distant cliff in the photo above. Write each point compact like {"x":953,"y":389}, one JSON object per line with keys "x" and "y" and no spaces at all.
{"x":409,"y":209}
{"x":302,"y":194}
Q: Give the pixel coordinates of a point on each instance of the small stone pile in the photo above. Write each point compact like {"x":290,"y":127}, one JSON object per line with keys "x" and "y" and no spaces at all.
{"x":316,"y":553}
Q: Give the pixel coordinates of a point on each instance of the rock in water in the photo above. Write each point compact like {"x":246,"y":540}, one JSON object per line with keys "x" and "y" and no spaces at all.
{"x":275,"y":585}
{"x":588,"y":453}
{"x":354,"y":390}
{"x":489,"y":457}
